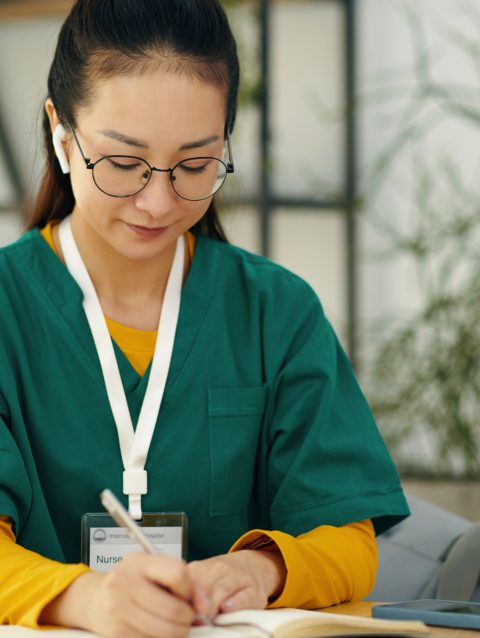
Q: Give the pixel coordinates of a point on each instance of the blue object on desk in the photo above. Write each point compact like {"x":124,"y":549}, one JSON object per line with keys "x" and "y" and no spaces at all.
{"x":444,"y":613}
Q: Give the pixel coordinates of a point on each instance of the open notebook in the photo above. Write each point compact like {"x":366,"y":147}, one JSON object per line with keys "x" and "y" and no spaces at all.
{"x":272,"y":623}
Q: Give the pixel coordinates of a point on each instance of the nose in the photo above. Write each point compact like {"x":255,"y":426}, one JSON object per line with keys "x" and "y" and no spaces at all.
{"x":158,"y":197}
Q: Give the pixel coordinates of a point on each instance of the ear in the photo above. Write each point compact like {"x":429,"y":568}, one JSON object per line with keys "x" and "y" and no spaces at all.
{"x":58,"y":136}
{"x":52,"y":114}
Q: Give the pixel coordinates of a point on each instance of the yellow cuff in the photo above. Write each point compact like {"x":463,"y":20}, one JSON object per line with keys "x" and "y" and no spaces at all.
{"x":325,"y":566}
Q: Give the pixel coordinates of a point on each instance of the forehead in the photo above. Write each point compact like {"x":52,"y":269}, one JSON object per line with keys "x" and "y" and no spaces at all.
{"x":158,"y":106}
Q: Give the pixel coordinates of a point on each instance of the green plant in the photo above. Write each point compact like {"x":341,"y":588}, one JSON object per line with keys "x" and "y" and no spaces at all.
{"x":424,"y":379}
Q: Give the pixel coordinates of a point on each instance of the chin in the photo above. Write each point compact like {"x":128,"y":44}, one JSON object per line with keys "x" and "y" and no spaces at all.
{"x":144,"y":250}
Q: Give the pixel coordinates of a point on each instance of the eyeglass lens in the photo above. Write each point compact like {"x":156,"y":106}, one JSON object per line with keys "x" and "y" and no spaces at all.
{"x":193,"y":179}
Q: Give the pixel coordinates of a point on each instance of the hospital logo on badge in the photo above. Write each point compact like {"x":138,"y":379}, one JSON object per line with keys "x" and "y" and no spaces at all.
{"x":99,"y":535}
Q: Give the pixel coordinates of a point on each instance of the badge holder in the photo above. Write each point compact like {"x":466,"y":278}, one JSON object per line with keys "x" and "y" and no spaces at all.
{"x":104,"y":544}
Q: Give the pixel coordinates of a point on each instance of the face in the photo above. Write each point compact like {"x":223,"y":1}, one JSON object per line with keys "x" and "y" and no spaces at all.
{"x":163,"y":118}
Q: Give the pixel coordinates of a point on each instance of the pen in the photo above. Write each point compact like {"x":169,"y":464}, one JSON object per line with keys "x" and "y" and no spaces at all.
{"x":120,"y":515}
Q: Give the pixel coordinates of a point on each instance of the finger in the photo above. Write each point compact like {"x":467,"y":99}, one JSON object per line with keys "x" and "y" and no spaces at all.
{"x":132,"y":605}
{"x":142,"y":582}
{"x":161,"y":603}
{"x":202,"y":577}
{"x":168,"y":572}
{"x":202,"y":601}
{"x":215,"y":581}
{"x":223,"y":589}
{"x":248,"y":598}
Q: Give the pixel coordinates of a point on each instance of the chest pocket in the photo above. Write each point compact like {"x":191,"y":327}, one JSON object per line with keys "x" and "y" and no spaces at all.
{"x":234,"y":418}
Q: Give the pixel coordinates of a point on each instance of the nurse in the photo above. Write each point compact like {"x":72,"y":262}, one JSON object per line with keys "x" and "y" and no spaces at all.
{"x":142,"y":352}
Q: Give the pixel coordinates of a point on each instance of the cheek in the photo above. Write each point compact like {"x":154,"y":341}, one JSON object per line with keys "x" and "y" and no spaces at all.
{"x":196,"y":210}
{"x":88,"y":198}
{"x":82,"y":182}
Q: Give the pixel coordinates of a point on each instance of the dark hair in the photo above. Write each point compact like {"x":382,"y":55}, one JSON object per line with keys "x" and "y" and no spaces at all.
{"x":104,"y":38}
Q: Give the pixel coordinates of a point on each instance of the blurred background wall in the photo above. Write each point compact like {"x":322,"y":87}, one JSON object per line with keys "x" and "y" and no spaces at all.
{"x":356,"y":153}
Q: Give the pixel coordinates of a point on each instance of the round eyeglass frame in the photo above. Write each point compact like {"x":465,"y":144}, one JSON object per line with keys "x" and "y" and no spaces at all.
{"x":229,"y":169}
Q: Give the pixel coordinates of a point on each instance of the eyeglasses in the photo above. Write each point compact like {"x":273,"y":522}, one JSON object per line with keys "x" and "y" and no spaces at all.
{"x":194,"y":179}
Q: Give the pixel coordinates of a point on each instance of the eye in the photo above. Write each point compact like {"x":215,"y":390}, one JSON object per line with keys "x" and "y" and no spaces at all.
{"x":125,"y":164}
{"x":194,"y":166}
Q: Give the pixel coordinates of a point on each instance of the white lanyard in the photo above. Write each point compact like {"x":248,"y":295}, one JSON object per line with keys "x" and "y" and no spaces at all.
{"x":134,"y":445}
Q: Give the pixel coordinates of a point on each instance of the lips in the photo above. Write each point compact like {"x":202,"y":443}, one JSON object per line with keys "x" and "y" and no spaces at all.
{"x":144,"y":231}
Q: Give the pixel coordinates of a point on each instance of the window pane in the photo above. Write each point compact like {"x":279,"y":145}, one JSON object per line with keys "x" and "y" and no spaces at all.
{"x":241,"y":224}
{"x":245,"y":26}
{"x":26,"y":52}
{"x":10,"y":227}
{"x":7,"y":194}
{"x":307,"y":59}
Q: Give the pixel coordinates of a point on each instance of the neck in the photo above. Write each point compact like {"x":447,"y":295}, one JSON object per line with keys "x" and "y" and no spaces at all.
{"x":130,"y":291}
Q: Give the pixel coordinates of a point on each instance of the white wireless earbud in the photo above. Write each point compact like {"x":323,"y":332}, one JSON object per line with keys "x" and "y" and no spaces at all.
{"x":59,"y":135}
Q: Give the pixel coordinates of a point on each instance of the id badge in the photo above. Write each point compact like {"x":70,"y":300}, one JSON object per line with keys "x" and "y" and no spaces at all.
{"x":104,"y":545}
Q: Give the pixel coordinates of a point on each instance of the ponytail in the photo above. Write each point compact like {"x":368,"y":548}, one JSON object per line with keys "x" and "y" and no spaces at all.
{"x":55,"y":196}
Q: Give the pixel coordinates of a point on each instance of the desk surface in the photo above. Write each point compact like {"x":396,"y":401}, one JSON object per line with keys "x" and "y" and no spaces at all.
{"x":351,"y":609}
{"x":365,"y":609}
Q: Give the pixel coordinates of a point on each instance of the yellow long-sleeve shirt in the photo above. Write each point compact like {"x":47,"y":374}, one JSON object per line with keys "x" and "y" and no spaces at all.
{"x":325,"y":566}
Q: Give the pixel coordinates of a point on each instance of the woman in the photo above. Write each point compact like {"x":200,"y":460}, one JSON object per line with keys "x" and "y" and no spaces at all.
{"x":259,"y":432}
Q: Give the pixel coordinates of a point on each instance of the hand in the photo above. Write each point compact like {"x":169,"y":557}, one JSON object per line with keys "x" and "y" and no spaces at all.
{"x":240,"y":580}
{"x":143,"y":597}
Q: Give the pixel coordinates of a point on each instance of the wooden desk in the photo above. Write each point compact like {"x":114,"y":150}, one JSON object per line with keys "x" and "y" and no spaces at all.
{"x":365,"y":609}
{"x":350,"y":609}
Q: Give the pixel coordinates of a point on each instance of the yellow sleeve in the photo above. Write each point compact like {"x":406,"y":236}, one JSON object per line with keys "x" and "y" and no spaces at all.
{"x":326,"y":566}
{"x":29,"y":582}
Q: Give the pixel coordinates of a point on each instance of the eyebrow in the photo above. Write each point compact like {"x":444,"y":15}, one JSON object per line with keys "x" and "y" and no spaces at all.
{"x":120,"y":137}
{"x":133,"y":141}
{"x":199,"y":143}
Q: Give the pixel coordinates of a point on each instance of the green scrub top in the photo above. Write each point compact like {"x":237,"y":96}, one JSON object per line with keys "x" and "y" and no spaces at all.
{"x":262,"y":423}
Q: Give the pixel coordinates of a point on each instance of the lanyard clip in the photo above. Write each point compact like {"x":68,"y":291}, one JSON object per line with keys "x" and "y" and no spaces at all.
{"x":134,"y":485}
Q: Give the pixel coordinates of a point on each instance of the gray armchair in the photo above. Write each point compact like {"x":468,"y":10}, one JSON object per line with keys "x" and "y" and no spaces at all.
{"x":432,"y":554}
